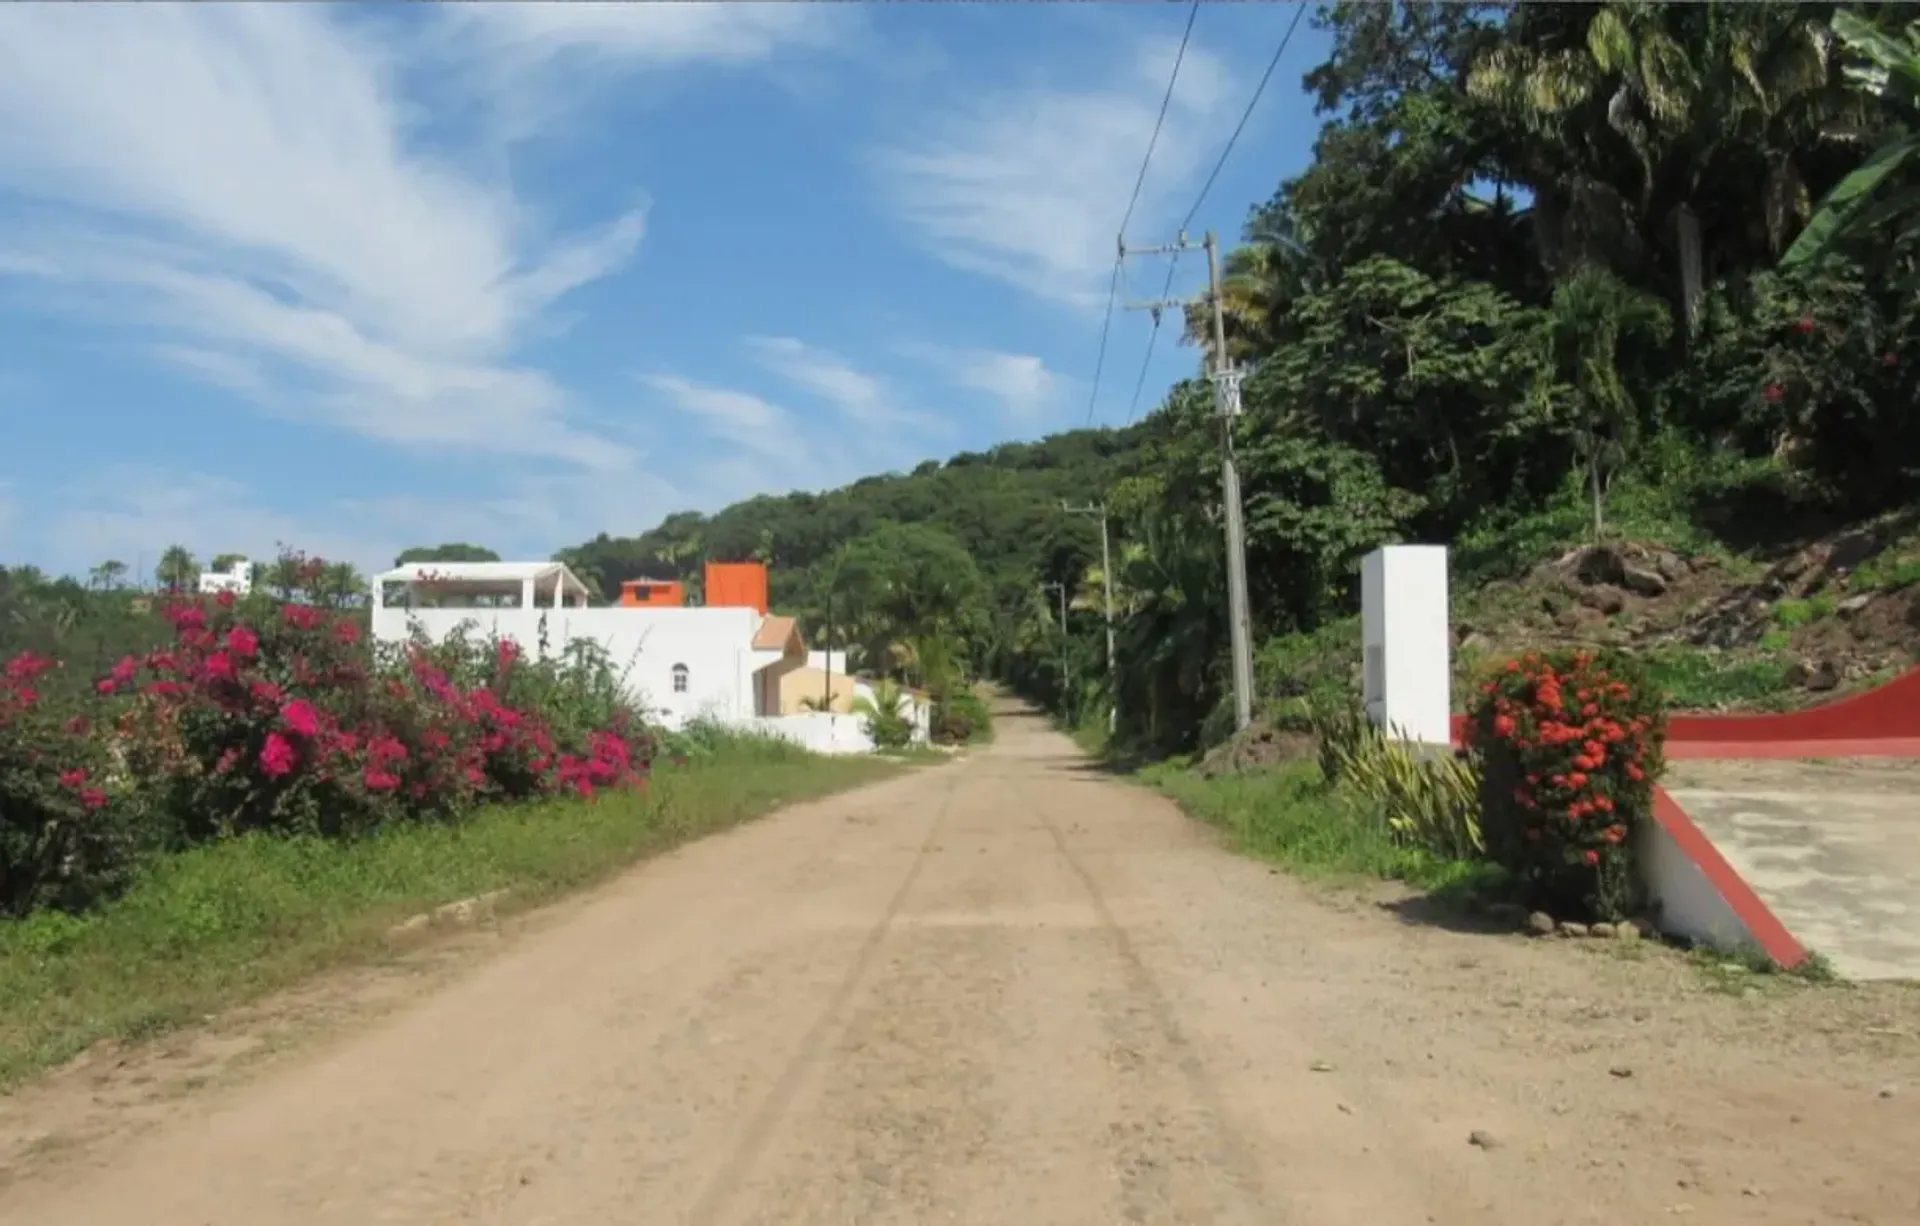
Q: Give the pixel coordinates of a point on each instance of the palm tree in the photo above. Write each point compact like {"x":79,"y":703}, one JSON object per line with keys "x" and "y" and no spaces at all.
{"x":108,"y":575}
{"x":883,"y":714}
{"x":177,"y":571}
{"x":340,"y":583}
{"x":1642,"y":146}
{"x":1593,"y":312}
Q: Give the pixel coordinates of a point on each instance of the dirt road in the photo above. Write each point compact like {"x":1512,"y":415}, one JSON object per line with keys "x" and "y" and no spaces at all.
{"x":1015,"y":992}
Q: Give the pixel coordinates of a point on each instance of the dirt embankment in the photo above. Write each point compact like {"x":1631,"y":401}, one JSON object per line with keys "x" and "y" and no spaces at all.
{"x":1838,"y":613}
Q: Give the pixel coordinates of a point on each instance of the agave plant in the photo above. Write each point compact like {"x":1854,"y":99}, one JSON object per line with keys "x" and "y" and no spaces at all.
{"x":1431,"y":802}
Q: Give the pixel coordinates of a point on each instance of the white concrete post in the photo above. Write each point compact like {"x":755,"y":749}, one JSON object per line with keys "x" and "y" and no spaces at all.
{"x":1407,"y":646}
{"x":526,"y":594}
{"x":559,"y":592}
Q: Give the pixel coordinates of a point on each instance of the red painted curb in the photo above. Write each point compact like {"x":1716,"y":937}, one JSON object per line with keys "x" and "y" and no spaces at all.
{"x":1772,"y":935}
{"x":1883,"y":722}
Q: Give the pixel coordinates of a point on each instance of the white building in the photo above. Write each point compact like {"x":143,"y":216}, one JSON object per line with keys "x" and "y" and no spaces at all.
{"x":678,"y":663}
{"x":237,"y":578}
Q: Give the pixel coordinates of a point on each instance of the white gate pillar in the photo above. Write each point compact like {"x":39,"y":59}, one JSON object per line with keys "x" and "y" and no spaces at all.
{"x":1407,"y":644}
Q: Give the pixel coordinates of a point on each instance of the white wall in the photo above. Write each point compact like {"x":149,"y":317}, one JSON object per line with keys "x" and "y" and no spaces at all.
{"x":1407,"y":642}
{"x":644,"y":644}
{"x":1690,"y":905}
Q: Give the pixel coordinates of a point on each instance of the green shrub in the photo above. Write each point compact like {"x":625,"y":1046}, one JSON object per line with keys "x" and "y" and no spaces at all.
{"x":1429,"y":802}
{"x":1570,"y":746}
{"x":960,"y":717}
{"x":884,"y":716}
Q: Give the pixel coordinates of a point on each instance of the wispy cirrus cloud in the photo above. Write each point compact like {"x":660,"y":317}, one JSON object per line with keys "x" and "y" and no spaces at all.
{"x":243,"y":190}
{"x":1028,"y":185}
{"x":857,"y":395}
{"x":1021,"y":383}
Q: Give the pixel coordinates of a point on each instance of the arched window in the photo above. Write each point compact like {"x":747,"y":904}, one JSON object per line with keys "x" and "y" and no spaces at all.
{"x":679,"y":678}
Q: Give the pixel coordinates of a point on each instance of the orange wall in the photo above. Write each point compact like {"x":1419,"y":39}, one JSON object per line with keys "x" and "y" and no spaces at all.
{"x":737,"y":585}
{"x":638,"y":595}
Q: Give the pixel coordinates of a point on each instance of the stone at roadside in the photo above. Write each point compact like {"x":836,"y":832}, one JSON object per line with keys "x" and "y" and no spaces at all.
{"x":1602,"y":929}
{"x":1626,"y":930}
{"x":1853,"y":604}
{"x":1481,"y":1139}
{"x":1885,"y":1092}
{"x":1570,"y":929}
{"x":1621,"y":1071}
{"x":1540,"y":924}
{"x":1817,"y":677}
{"x":1320,"y":1066}
{"x":1643,"y":582}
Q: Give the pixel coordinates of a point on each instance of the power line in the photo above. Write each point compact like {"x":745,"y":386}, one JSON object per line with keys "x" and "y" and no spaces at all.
{"x":1247,"y":114}
{"x":1300,"y":11}
{"x":1166,"y":100}
{"x":1113,"y":286}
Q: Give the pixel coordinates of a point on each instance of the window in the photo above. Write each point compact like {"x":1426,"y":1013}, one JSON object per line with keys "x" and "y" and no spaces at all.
{"x":679,"y":678}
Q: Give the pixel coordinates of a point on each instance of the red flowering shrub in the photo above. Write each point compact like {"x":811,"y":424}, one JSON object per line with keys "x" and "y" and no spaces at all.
{"x":1570,"y":745}
{"x":262,"y":716}
{"x":59,"y":843}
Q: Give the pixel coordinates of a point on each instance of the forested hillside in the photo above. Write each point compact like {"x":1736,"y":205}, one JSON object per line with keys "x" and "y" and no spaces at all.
{"x":1540,"y":283}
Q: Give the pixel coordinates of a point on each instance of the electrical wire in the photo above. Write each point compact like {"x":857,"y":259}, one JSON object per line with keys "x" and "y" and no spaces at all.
{"x":1300,"y":11}
{"x":1139,"y":182}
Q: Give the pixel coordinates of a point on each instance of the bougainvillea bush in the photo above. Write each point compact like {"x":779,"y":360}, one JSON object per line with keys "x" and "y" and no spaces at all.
{"x":1570,"y":745}
{"x":62,"y":837}
{"x":264,"y":716}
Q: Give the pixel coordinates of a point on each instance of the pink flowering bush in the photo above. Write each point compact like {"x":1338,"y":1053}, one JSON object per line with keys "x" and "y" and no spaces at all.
{"x":60,"y":841}
{"x":262,"y":716}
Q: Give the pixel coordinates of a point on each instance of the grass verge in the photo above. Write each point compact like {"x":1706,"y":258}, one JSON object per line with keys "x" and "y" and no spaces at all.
{"x":1291,"y":816}
{"x":231,"y":921}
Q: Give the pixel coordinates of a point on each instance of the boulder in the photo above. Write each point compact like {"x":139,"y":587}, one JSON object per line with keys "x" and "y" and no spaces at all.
{"x":1599,"y":564}
{"x":1643,"y":582}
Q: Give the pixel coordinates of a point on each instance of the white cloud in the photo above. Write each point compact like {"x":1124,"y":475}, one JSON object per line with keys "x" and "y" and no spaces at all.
{"x":1021,"y":382}
{"x":1028,"y":185}
{"x":527,"y":63}
{"x":861,"y":398}
{"x":239,"y":186}
{"x":133,"y":511}
{"x":735,"y":416}
{"x":626,"y":34}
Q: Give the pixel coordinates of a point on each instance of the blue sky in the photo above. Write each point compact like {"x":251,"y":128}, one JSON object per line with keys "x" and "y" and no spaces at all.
{"x":358,"y":278}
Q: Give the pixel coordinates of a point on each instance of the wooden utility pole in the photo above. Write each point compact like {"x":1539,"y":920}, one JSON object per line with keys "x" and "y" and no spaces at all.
{"x":1226,"y":399}
{"x":1106,"y":583}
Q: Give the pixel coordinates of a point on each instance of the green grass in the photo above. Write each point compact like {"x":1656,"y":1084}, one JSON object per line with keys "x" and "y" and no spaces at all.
{"x":231,"y":921}
{"x":1697,"y":680}
{"x":1290,"y":815}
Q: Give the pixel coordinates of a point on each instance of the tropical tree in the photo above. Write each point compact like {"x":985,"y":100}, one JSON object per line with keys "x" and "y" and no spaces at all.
{"x":1594,"y":317}
{"x":109,"y":575}
{"x":1881,"y":199}
{"x":885,"y":715}
{"x":455,"y":552}
{"x":177,"y":571}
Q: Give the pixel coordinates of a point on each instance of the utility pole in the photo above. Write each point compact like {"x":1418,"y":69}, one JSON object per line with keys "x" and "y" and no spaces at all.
{"x":1226,"y":400}
{"x":1066,"y":665}
{"x":1106,"y":582}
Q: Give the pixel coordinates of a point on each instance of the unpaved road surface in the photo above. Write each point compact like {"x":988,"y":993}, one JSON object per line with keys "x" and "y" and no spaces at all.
{"x":1015,"y":992}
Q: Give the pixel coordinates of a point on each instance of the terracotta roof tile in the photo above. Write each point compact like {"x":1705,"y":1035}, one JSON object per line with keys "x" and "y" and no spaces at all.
{"x":774,"y":634}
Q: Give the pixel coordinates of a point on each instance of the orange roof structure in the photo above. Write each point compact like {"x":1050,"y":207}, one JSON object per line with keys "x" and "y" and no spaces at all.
{"x":776,"y":634}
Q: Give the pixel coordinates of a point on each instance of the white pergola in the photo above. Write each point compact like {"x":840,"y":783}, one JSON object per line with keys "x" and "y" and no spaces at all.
{"x":497,"y":584}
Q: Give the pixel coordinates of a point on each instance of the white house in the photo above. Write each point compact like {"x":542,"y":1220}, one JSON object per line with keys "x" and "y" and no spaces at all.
{"x":237,"y":578}
{"x":723,"y":663}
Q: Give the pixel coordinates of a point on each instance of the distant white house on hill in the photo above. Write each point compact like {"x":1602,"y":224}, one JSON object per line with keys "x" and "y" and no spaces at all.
{"x":237,"y":578}
{"x":731,"y":662}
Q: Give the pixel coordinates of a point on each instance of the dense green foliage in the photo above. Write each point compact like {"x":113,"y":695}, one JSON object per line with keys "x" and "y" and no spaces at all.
{"x":1530,"y":276}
